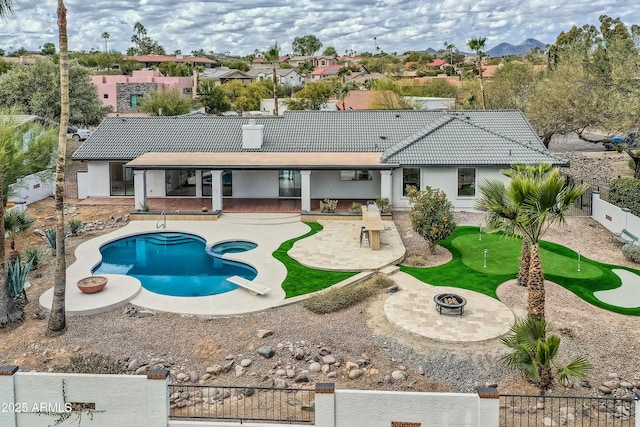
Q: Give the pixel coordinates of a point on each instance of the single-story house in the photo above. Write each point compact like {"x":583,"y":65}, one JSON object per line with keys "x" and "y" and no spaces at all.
{"x":223,"y":75}
{"x":307,"y":155}
{"x":285,"y":76}
{"x":148,"y":61}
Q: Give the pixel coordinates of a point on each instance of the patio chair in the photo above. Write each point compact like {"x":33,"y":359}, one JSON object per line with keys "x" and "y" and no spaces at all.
{"x":364,"y":234}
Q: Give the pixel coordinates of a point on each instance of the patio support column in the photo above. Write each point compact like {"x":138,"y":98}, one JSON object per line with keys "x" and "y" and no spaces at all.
{"x":216,"y":190}
{"x":305,"y":190}
{"x":198,"y":183}
{"x":139,"y":188}
{"x":386,"y":185}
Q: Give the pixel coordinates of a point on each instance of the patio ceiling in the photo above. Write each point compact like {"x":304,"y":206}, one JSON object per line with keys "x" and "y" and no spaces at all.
{"x":260,"y":160}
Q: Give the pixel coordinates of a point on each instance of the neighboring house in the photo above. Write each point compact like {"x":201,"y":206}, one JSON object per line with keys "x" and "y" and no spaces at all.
{"x":315,"y":61}
{"x":260,"y":62}
{"x":436,"y":63}
{"x":338,"y":155}
{"x":148,"y":61}
{"x":267,"y":106}
{"x":124,"y":93}
{"x":223,"y":75}
{"x":323,"y":73}
{"x":286,"y":76}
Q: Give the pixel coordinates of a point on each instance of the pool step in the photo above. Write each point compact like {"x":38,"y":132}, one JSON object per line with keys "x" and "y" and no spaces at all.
{"x":260,"y":219}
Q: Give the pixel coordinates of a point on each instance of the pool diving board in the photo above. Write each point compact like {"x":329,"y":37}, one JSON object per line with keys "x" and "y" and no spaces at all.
{"x":253,"y":287}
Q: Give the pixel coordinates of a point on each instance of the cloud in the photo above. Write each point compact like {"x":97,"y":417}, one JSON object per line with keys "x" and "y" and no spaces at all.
{"x":241,"y":26}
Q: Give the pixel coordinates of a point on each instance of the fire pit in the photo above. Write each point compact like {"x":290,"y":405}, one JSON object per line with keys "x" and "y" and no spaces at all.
{"x":450,"y":302}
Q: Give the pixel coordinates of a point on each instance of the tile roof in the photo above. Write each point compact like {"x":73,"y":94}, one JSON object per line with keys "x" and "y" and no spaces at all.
{"x":496,"y":137}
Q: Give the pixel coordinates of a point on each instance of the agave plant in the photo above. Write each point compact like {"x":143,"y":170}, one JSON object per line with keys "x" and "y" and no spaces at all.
{"x":534,"y":354}
{"x":17,"y":277}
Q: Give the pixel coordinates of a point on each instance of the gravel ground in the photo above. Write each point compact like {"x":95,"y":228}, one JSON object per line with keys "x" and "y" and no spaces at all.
{"x":359,"y":335}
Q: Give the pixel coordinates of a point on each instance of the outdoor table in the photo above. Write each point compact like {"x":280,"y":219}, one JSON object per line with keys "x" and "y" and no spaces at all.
{"x":373,"y":224}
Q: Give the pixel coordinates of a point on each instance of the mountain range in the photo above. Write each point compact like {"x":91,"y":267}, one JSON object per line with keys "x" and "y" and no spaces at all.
{"x":505,"y":49}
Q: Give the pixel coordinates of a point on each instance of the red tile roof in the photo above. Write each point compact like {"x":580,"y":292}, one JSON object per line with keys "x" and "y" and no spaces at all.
{"x":171,"y":58}
{"x":436,"y":63}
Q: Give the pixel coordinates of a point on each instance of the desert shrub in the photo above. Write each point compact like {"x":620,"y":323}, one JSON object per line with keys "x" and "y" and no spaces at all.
{"x":34,"y":254}
{"x":328,"y":205}
{"x":625,"y":193}
{"x":431,"y":215}
{"x":75,"y":226}
{"x":631,"y":252}
{"x":382,"y":203}
{"x":347,"y":296}
{"x":93,"y":363}
{"x":356,"y":208}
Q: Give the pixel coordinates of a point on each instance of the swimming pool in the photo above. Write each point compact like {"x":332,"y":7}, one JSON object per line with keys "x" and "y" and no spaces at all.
{"x":176,"y":264}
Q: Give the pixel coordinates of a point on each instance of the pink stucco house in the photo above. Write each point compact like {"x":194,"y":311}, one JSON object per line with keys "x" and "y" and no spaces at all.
{"x":124,"y":93}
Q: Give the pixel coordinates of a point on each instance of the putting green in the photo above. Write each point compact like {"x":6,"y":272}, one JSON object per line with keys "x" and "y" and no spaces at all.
{"x":503,"y":257}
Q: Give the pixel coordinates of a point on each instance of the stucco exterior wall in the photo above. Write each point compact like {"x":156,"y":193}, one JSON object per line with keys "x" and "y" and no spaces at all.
{"x":327,"y":183}
{"x":98,"y":179}
{"x":41,"y":397}
{"x":255,"y":184}
{"x":364,"y":408}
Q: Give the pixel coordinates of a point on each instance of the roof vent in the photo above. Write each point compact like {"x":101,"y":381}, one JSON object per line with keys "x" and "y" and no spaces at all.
{"x":252,"y":135}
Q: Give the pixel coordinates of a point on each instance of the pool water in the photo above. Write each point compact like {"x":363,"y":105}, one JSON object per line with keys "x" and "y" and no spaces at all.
{"x":176,"y":264}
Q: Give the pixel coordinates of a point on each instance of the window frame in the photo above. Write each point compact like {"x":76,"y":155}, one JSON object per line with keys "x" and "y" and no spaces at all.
{"x":468,"y":187}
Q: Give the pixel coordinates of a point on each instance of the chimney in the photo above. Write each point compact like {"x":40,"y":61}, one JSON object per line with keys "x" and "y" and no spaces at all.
{"x":252,"y":135}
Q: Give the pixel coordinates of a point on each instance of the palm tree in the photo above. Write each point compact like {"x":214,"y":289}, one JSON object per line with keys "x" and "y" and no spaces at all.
{"x":5,"y":8}
{"x":105,"y":36}
{"x":531,"y":202}
{"x":16,"y":223}
{"x":57,"y":320}
{"x":534,"y":354}
{"x":499,"y":210}
{"x":449,"y":47}
{"x":477,"y":45}
{"x":273,"y":55}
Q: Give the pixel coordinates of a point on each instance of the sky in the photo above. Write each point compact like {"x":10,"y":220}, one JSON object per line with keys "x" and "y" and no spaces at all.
{"x":239,"y":27}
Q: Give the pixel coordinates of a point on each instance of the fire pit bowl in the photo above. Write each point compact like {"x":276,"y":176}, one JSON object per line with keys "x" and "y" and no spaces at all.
{"x":92,"y":284}
{"x":450,"y":302}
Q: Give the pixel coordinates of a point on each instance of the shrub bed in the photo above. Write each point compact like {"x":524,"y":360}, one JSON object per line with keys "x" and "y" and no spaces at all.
{"x":340,"y":298}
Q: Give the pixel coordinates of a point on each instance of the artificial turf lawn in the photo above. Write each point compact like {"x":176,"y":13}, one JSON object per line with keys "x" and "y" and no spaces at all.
{"x":303,"y":280}
{"x":560,"y":265}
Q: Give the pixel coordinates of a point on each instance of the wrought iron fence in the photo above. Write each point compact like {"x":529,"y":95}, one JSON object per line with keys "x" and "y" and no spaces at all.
{"x":583,"y":205}
{"x":242,"y":403}
{"x":530,"y":411}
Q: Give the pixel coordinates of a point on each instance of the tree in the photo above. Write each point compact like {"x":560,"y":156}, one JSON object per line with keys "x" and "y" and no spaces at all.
{"x":313,"y":96}
{"x":306,"y":46}
{"x":4,"y":66}
{"x":212,"y":97}
{"x":42,"y":82}
{"x":477,"y":45}
{"x":388,"y":100}
{"x":304,"y":69}
{"x":168,"y":103}
{"x":105,"y":36}
{"x":449,"y":47}
{"x":432,"y":215}
{"x":15,"y":224}
{"x":330,"y":51}
{"x":10,"y":314}
{"x":48,"y":49}
{"x":272,"y":56}
{"x":245,"y":98}
{"x":57,"y":320}
{"x":144,"y":45}
{"x":510,"y":86}
{"x":527,"y":206}
{"x":534,"y":353}
{"x":176,"y":69}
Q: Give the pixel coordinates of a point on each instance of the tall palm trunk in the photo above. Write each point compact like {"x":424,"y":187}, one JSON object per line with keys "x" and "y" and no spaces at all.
{"x":10,"y":313}
{"x":484,"y":97}
{"x":57,"y":320}
{"x":275,"y":91}
{"x":536,"y":299}
{"x":525,"y":260}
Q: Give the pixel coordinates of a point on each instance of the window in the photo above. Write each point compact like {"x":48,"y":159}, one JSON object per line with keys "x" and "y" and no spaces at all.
{"x":186,"y":90}
{"x":120,"y":180}
{"x":105,"y":96}
{"x":356,"y":175}
{"x":227,"y":184}
{"x":466,"y":182}
{"x":410,"y":177}
{"x":180,"y":182}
